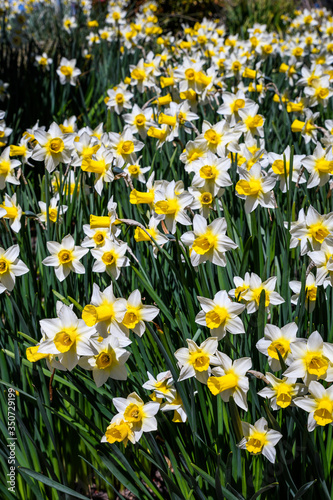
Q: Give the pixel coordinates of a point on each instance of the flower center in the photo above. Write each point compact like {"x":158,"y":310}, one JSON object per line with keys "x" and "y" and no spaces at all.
{"x":283,"y":394}
{"x":199,"y":360}
{"x":323,"y":415}
{"x":92,"y":314}
{"x":138,"y":74}
{"x":249,"y":188}
{"x":208,"y":172}
{"x":204,"y":243}
{"x":218,"y":316}
{"x":104,"y":360}
{"x":66,"y":70}
{"x":125,"y":147}
{"x":311,"y":293}
{"x":4,"y":266}
{"x":237,"y":104}
{"x":212,"y":137}
{"x":120,"y":98}
{"x":131,"y":318}
{"x":109,"y":258}
{"x":316,"y":363}
{"x":133,"y":413}
{"x":133,"y":169}
{"x":99,"y":237}
{"x":65,"y":339}
{"x":55,"y":146}
{"x":169,"y":207}
{"x":256,"y":442}
{"x":65,"y":256}
{"x":4,"y":167}
{"x":278,"y":167}
{"x":254,"y":121}
{"x":318,"y":232}
{"x":282,"y":345}
{"x":190,"y":74}
{"x":206,"y":198}
{"x":324,"y":166}
{"x":220,"y":384}
{"x":140,"y":120}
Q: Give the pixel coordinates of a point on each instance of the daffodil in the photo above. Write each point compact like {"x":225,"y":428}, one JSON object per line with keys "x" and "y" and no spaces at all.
{"x":312,"y":360}
{"x":310,"y":292}
{"x":163,"y":386}
{"x":220,"y":315}
{"x":55,"y":211}
{"x":259,"y":439}
{"x":10,"y":267}
{"x":281,"y":392}
{"x":108,"y":360}
{"x":208,"y":242}
{"x":7,"y":169}
{"x":311,"y":230}
{"x":119,"y":431}
{"x":134,"y":411}
{"x":68,"y":337}
{"x":119,"y":98}
{"x":319,"y":405}
{"x":68,"y":72}
{"x":12,"y":211}
{"x":255,"y":188}
{"x":323,"y":260}
{"x":110,"y":258}
{"x":176,"y":405}
{"x":211,"y":173}
{"x":136,"y":314}
{"x":319,"y":165}
{"x":101,"y":165}
{"x":53,"y":147}
{"x":229,"y":379}
{"x":139,"y":120}
{"x":65,"y":257}
{"x":278,"y":339}
{"x":256,"y":286}
{"x":124,"y":147}
{"x":195,"y":360}
{"x":280,"y":167}
{"x":105,"y":312}
{"x":168,"y":203}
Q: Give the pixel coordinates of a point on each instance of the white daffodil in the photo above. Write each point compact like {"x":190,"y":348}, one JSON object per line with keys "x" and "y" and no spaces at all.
{"x":259,"y":439}
{"x":105,"y":312}
{"x":280,"y":166}
{"x":135,"y":171}
{"x":255,"y":188}
{"x":281,"y":392}
{"x":204,"y":201}
{"x":195,"y":360}
{"x":136,"y":315}
{"x":134,"y":411}
{"x":96,"y":237}
{"x":139,"y":120}
{"x":68,"y":337}
{"x":323,"y":260}
{"x":65,"y":257}
{"x":220,"y":315}
{"x":162,"y":386}
{"x":108,"y":360}
{"x":67,"y":71}
{"x":256,"y":286}
{"x":193,"y":153}
{"x":168,"y":203}
{"x":211,"y":173}
{"x":310,"y":230}
{"x":101,"y":165}
{"x":232,"y":103}
{"x":160,"y":238}
{"x":10,"y":267}
{"x":319,"y":165}
{"x":312,"y":360}
{"x":176,"y":405}
{"x":319,"y":405}
{"x":12,"y":211}
{"x":310,"y":292}
{"x":278,"y":339}
{"x":124,"y":146}
{"x":53,"y":147}
{"x":110,"y":258}
{"x":119,"y":98}
{"x":208,"y":243}
{"x":119,"y":431}
{"x":216,"y":137}
{"x":7,"y":169}
{"x":229,"y":379}
{"x":55,"y":211}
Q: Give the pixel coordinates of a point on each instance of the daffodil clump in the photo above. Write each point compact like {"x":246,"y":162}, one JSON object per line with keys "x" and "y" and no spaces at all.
{"x":174,"y":218}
